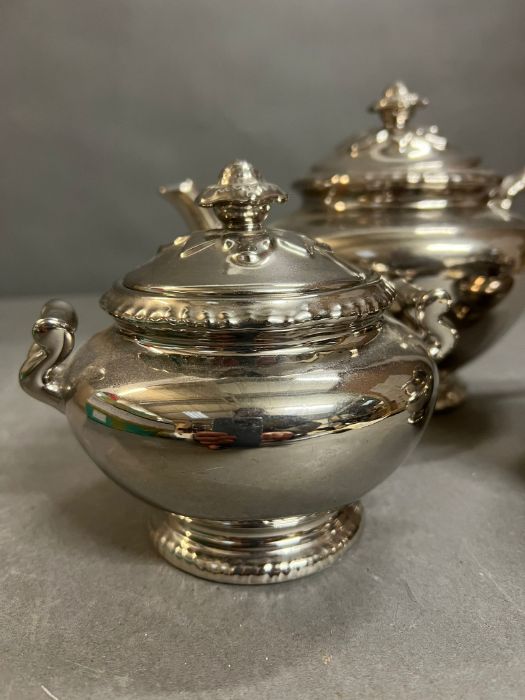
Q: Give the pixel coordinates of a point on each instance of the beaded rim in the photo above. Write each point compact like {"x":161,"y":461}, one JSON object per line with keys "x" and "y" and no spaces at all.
{"x":234,"y":313}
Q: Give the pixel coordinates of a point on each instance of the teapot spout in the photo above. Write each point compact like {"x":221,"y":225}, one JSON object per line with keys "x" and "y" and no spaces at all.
{"x":183,"y":195}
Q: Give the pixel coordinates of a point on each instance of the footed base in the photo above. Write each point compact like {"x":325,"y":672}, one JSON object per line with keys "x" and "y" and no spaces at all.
{"x":451,"y":392}
{"x":255,"y":551}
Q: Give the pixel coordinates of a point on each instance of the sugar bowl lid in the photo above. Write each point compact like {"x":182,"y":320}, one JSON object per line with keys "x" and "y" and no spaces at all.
{"x":397,"y":155}
{"x":244,"y":275}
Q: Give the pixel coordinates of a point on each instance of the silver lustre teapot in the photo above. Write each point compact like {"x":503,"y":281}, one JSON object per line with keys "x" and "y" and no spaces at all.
{"x":251,"y":388}
{"x":400,"y":200}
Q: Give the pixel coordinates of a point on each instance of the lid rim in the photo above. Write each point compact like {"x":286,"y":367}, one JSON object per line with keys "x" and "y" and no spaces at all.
{"x":181,"y":313}
{"x":432,"y":182}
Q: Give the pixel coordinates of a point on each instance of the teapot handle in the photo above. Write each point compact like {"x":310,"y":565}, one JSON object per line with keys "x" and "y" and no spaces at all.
{"x":41,"y":375}
{"x":510,"y":186}
{"x":424,"y":311}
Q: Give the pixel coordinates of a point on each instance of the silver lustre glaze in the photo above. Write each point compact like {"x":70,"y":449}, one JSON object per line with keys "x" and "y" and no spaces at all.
{"x":252,"y":388}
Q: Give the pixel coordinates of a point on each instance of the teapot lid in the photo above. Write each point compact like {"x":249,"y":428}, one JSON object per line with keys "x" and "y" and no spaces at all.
{"x":244,"y":276}
{"x":397,"y":155}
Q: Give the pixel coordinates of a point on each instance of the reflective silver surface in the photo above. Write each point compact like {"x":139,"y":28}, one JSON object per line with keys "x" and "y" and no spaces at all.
{"x":264,"y":436}
{"x":263,"y":422}
{"x":401,"y":201}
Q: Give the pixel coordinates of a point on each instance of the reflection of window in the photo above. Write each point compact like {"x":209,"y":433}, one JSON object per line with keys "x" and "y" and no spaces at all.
{"x":110,"y":410}
{"x":195,"y":414}
{"x":99,"y":416}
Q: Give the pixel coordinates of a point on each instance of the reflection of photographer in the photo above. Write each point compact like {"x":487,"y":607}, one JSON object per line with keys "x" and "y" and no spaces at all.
{"x":277,"y":436}
{"x":213,"y":440}
{"x":244,"y":429}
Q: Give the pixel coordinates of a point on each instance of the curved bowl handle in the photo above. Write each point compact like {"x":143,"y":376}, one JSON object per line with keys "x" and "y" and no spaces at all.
{"x":424,"y":311}
{"x":510,"y":186}
{"x":41,"y":375}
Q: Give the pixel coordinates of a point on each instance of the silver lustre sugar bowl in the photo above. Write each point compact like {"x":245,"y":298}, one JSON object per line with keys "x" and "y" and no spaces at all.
{"x":251,"y":388}
{"x":402,"y":201}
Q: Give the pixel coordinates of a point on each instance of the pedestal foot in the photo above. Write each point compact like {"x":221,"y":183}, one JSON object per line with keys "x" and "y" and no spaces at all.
{"x":255,"y":551}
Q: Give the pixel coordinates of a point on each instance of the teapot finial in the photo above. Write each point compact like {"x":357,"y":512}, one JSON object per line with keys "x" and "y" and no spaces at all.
{"x":397,"y":105}
{"x":241,"y":198}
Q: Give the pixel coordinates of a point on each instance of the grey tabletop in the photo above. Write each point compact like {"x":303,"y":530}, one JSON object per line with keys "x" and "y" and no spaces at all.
{"x":429,"y":604}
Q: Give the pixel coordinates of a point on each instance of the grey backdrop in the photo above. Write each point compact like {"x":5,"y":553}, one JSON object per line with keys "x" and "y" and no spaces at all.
{"x":106,"y":99}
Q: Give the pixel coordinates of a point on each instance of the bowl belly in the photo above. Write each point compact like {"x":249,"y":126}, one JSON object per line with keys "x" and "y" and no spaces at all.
{"x":477,"y":257}
{"x":258,"y":437}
